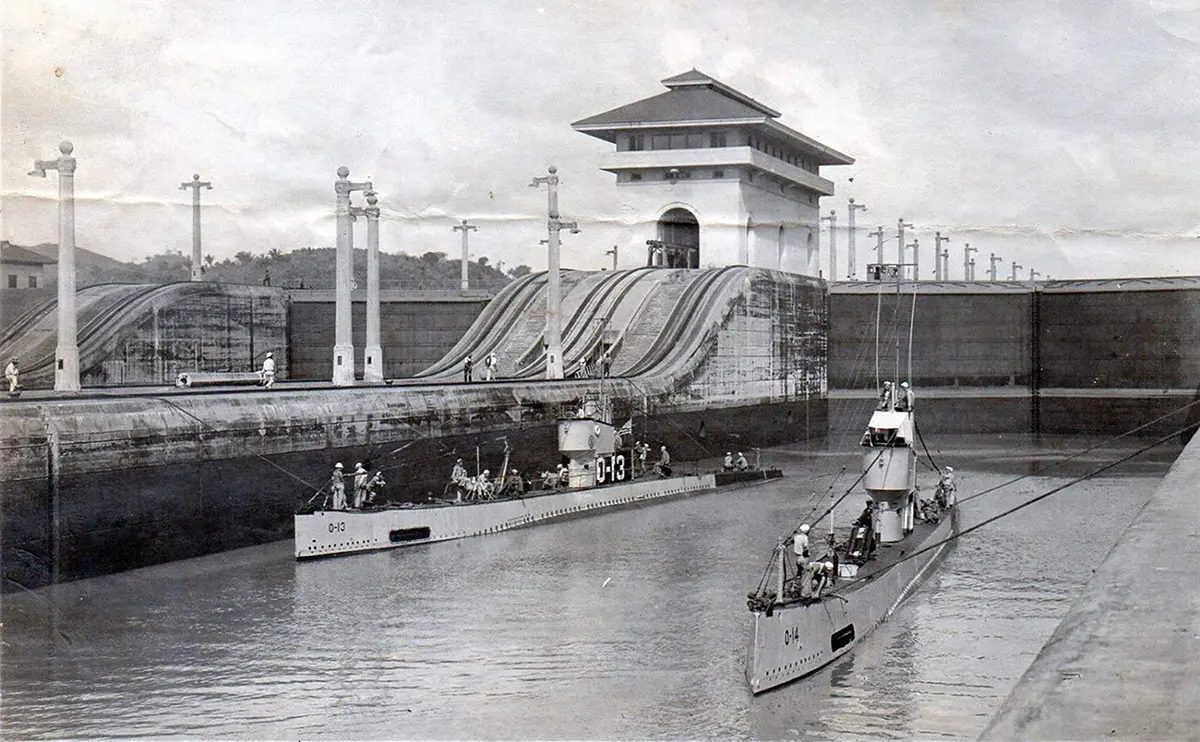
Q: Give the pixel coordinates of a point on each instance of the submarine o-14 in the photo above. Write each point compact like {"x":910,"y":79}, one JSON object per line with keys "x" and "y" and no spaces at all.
{"x":597,"y":476}
{"x":808,"y":611}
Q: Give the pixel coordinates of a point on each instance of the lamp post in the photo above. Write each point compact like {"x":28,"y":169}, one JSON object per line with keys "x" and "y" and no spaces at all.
{"x":916,"y":248}
{"x":832,"y":219}
{"x":900,"y":225}
{"x":878,"y":235}
{"x":851,"y":257}
{"x":1033,"y":274}
{"x":465,"y":228}
{"x":343,"y":341}
{"x":554,"y":225}
{"x":938,"y":272}
{"x":968,"y":262}
{"x":946,"y":264}
{"x":971,"y":267}
{"x":66,"y":353}
{"x":613,"y":253}
{"x":992,"y":269}
{"x":1015,"y":267}
{"x":373,"y":362}
{"x":195,"y":185}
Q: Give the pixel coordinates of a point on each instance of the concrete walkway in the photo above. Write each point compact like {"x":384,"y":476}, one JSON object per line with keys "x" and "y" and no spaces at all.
{"x":1125,"y":661}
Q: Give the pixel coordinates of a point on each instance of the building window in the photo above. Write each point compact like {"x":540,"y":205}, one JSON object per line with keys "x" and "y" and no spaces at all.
{"x":660,"y":141}
{"x":716,"y":140}
{"x":718,"y":173}
{"x":33,"y":282}
{"x":695,"y":141}
{"x":637,"y":142}
{"x":677,"y":174}
{"x":12,"y":281}
{"x":635,"y":176}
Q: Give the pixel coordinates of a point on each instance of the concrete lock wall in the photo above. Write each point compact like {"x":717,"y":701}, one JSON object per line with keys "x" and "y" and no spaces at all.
{"x":1065,"y":357}
{"x":98,"y":485}
{"x":416,"y":329}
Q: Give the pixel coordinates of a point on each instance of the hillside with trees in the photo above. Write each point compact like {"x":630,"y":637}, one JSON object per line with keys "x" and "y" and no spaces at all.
{"x":309,"y":267}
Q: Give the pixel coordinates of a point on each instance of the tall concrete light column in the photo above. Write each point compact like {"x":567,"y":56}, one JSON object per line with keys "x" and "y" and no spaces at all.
{"x":343,"y":341}
{"x":968,"y":262}
{"x":832,"y":219}
{"x":66,"y":354}
{"x":465,"y":228}
{"x":1015,"y":267}
{"x":916,"y":248}
{"x":554,"y":225}
{"x":373,"y":360}
{"x":972,"y":269}
{"x":195,"y":185}
{"x":900,"y":244}
{"x":1033,"y":274}
{"x":992,"y":269}
{"x":613,"y":252}
{"x":938,"y":239}
{"x":851,"y":257}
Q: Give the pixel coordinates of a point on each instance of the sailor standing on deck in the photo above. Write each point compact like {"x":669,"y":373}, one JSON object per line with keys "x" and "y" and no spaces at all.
{"x":467,"y":364}
{"x":885,"y":397}
{"x":489,"y":364}
{"x":268,"y":370}
{"x":800,"y":547}
{"x":904,"y":401}
{"x":664,"y":463}
{"x":337,"y":486}
{"x":360,"y":485}
{"x":10,"y":373}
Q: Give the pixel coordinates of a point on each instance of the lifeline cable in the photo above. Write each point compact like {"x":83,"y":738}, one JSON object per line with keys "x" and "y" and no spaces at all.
{"x":1014,"y":509}
{"x":1076,"y":455}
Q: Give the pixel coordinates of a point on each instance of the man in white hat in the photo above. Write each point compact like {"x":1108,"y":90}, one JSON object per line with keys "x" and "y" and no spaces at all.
{"x":800,"y":546}
{"x":10,"y":373}
{"x":268,"y":370}
{"x":741,"y":463}
{"x":337,"y":486}
{"x":360,"y":485}
{"x":904,"y":400}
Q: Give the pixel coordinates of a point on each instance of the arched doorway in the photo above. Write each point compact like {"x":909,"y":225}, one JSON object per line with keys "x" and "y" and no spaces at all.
{"x":679,"y":237}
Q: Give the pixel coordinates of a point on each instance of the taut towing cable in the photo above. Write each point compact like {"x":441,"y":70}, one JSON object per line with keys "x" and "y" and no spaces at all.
{"x":1022,"y":506}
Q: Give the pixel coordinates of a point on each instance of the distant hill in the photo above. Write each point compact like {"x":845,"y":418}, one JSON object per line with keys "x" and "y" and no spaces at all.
{"x":310,"y":267}
{"x":90,"y":267}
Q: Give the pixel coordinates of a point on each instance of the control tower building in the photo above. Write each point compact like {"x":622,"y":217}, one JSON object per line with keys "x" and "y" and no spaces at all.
{"x":709,"y":177}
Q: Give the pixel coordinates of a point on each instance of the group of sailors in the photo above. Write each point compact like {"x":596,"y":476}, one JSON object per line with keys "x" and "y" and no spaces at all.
{"x":891,"y":399}
{"x":815,"y":576}
{"x":491,"y":365}
{"x":365,"y":487}
{"x":731,"y":464}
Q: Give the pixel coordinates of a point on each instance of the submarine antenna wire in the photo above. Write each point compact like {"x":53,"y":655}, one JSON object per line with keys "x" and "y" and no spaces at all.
{"x":1022,"y":506}
{"x":185,"y":413}
{"x":1077,"y":454}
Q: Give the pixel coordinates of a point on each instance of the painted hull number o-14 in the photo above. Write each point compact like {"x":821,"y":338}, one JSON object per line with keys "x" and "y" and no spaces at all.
{"x":792,"y":636}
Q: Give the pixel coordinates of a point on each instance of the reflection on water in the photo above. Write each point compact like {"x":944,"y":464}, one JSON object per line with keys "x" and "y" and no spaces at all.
{"x":625,"y":625}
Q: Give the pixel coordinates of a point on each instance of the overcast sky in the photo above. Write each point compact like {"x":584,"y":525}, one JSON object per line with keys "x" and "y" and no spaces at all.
{"x":1062,"y":135}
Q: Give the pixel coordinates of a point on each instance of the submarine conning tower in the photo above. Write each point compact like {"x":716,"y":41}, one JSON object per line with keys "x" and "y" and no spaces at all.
{"x":890,"y":471}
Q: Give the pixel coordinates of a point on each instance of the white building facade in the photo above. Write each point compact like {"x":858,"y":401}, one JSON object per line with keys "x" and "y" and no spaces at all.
{"x":709,"y":178}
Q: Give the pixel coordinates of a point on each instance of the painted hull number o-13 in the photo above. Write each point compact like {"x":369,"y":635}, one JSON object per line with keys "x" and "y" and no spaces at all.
{"x":338,"y":527}
{"x":612,"y":468}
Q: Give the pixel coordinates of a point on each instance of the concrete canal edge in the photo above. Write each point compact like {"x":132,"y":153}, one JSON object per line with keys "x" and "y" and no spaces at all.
{"x":1122,"y":663}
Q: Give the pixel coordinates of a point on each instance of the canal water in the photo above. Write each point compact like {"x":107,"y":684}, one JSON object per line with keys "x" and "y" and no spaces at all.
{"x":623,"y":625}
